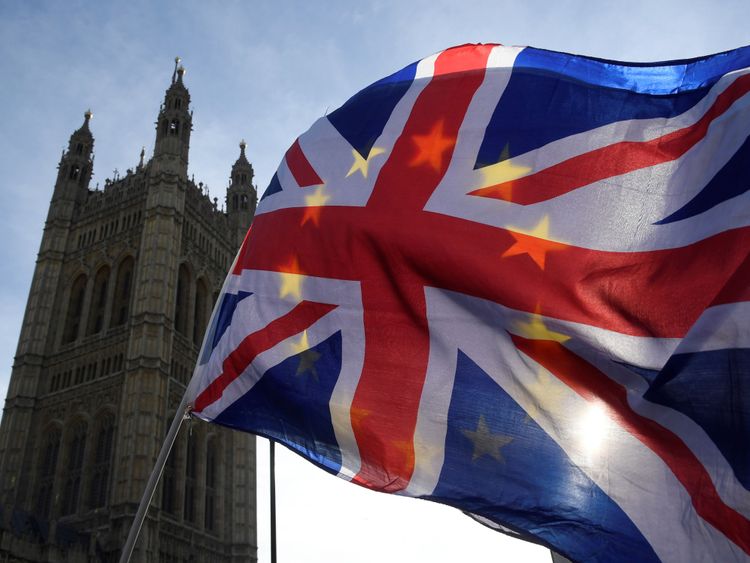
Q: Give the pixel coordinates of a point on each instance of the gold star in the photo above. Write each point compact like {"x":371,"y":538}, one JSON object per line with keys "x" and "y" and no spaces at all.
{"x":346,"y":418}
{"x":429,"y":455}
{"x":485,"y":442}
{"x":291,"y":281}
{"x":358,"y":414}
{"x":535,"y":243}
{"x":314,"y":203}
{"x":302,"y":345}
{"x":403,"y":449}
{"x":497,"y":179}
{"x":535,"y":329}
{"x":544,"y":393}
{"x":431,"y":147}
{"x":307,"y":361}
{"x":340,"y":418}
{"x":363,"y":164}
{"x":307,"y":356}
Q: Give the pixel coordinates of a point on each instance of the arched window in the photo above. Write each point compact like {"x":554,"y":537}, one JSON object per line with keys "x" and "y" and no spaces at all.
{"x":169,"y":478}
{"x":174,"y":127}
{"x":47,"y":466}
{"x":211,"y":485}
{"x":79,"y":148}
{"x":102,"y":462}
{"x":123,"y":287}
{"x":177,"y":103}
{"x":98,"y":301}
{"x":244,"y":201}
{"x":75,"y":309}
{"x":74,"y":473}
{"x":200,"y":316}
{"x":181,"y":300}
{"x":74,"y":171}
{"x":191,"y":475}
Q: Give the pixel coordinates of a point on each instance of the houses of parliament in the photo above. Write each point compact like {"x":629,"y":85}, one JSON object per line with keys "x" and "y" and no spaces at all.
{"x":123,"y":288}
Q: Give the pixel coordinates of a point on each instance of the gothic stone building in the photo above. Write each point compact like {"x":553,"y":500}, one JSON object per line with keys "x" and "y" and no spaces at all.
{"x":124,"y":285}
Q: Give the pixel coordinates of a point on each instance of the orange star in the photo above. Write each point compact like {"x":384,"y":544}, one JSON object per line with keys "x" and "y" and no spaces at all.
{"x":291,"y":280}
{"x":496,"y":181}
{"x":405,"y":447}
{"x":431,"y":147}
{"x":358,"y":415}
{"x":535,"y":243}
{"x":314,"y":203}
{"x":535,"y":329}
{"x":543,"y":394}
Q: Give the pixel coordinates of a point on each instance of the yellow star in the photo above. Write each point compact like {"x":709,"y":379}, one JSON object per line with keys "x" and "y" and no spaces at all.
{"x":302,"y":345}
{"x":363,"y":164}
{"x":340,"y":418}
{"x":497,"y":179}
{"x":358,"y":416}
{"x":291,"y":281}
{"x":535,"y":329}
{"x":431,"y":147}
{"x":307,"y":361}
{"x":307,"y":357}
{"x":544,"y":393}
{"x":314,"y":203}
{"x":485,"y":442}
{"x":403,"y":448}
{"x":429,"y":455}
{"x":535,"y":243}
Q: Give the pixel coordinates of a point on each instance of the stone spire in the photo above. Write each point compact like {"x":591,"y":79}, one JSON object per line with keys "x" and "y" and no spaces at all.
{"x":242,"y":196}
{"x":76,"y":163}
{"x":174,"y":125}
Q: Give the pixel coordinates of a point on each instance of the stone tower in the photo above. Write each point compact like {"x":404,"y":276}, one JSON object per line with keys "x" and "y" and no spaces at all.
{"x":241,"y":195}
{"x":122,"y":292}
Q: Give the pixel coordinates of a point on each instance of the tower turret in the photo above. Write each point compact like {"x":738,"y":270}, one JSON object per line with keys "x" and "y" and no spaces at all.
{"x":174,"y":125}
{"x":242,"y":196}
{"x":74,"y":170}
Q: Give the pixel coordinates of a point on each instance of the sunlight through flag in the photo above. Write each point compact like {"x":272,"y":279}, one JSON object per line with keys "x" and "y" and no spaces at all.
{"x":515,"y":282}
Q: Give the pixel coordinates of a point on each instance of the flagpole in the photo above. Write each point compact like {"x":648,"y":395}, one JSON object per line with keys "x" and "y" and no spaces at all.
{"x":273,"y":501}
{"x":153,"y":480}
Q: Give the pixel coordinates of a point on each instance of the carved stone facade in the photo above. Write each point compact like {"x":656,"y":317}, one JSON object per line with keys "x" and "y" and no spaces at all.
{"x":125,"y":281}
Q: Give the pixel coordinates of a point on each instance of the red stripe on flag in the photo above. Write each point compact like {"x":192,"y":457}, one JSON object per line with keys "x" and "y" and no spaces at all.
{"x":300,"y":167}
{"x":301,"y":317}
{"x":636,"y":293}
{"x":596,"y":388}
{"x":737,"y":287}
{"x":385,"y":404}
{"x":612,"y":160}
{"x":466,"y":58}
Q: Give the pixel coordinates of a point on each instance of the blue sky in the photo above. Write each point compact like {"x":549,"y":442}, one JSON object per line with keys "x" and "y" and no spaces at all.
{"x":264,"y":71}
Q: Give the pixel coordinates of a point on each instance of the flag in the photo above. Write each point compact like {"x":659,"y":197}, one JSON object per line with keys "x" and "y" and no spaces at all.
{"x":516,"y":282}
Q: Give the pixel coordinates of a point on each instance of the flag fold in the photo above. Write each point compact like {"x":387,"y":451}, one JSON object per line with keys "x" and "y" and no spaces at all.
{"x":516,"y":282}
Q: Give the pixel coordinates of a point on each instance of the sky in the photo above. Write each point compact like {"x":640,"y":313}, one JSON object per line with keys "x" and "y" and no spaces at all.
{"x":265,"y":71}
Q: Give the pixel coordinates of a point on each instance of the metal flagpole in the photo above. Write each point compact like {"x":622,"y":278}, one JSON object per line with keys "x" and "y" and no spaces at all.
{"x":273,"y":501}
{"x":153,"y":480}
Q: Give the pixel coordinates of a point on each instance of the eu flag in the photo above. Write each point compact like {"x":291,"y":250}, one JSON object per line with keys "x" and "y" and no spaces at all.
{"x":516,"y":282}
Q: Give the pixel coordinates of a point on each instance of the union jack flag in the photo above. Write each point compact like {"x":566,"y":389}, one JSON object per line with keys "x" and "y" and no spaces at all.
{"x":516,"y":282}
